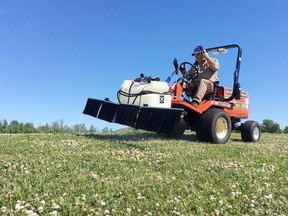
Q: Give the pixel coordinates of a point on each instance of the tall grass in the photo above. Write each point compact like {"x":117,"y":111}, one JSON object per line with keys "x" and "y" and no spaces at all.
{"x":141,"y":173}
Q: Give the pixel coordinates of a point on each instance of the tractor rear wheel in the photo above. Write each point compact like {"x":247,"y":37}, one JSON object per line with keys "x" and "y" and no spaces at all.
{"x":214,"y":126}
{"x":250,"y":131}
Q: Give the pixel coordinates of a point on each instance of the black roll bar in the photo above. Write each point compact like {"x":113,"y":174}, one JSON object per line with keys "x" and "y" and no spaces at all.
{"x":236,"y":86}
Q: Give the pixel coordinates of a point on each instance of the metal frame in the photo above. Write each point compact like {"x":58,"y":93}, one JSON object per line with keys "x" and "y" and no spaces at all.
{"x":236,"y":94}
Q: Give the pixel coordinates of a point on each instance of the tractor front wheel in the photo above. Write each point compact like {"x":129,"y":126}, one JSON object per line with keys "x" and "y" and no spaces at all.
{"x":214,"y":126}
{"x":250,"y":131}
{"x":178,"y":129}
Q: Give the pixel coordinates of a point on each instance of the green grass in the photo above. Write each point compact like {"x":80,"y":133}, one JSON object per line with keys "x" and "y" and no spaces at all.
{"x":141,"y":173}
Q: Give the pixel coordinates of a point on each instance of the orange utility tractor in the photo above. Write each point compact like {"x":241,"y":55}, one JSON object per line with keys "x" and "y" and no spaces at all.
{"x":150,"y":104}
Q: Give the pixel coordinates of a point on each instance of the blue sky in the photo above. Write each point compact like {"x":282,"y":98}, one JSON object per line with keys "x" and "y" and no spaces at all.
{"x":56,"y":54}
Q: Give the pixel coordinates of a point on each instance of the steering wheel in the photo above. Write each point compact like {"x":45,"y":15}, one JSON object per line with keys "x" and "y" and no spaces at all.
{"x":193,"y":75}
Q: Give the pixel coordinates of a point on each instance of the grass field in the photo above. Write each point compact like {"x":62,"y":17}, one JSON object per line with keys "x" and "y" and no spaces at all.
{"x":140,"y":173}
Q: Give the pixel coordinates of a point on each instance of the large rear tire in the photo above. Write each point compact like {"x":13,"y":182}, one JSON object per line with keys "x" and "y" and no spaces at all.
{"x":250,"y":131}
{"x":214,"y":126}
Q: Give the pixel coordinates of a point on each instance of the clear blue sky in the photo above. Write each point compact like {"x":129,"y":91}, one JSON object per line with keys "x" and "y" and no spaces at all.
{"x":54,"y":54}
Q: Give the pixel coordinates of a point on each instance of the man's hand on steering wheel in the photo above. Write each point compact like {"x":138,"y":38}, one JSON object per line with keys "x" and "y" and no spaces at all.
{"x":183,"y":70}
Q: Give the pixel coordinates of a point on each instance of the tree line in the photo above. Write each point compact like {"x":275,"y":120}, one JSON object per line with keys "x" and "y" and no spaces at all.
{"x":268,"y":126}
{"x":15,"y":127}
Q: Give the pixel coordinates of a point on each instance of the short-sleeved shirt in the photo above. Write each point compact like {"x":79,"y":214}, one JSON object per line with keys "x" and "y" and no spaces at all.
{"x":205,"y":72}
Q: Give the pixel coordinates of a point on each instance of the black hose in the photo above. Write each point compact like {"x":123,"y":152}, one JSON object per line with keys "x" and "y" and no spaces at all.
{"x":129,"y":95}
{"x":129,"y":92}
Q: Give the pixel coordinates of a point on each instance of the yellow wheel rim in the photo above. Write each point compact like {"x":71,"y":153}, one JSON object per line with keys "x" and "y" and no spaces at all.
{"x":221,"y":127}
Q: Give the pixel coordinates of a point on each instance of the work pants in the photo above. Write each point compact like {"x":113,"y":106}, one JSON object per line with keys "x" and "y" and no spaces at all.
{"x":203,"y":87}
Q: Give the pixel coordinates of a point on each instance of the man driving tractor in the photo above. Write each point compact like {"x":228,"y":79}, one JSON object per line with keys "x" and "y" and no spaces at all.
{"x":205,"y":82}
{"x":154,"y":106}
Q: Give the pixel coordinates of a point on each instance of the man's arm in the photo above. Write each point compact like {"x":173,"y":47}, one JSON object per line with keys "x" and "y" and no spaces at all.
{"x":213,"y":63}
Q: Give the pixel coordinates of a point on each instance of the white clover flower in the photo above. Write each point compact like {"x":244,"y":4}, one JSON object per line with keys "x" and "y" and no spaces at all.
{"x":245,"y":196}
{"x":103,"y":203}
{"x":18,"y":205}
{"x":216,"y":211}
{"x":40,"y":209}
{"x":31,"y":213}
{"x":176,"y":199}
{"x":270,"y":196}
{"x":139,"y":196}
{"x":129,"y":210}
{"x":212,"y":197}
{"x":27,"y":205}
{"x":55,"y":206}
{"x":93,"y":175}
{"x":159,"y":178}
{"x":174,"y":212}
{"x":42,"y":202}
{"x":3,"y":209}
{"x":54,"y":212}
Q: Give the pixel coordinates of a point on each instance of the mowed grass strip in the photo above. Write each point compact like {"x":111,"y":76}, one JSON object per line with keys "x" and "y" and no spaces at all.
{"x":141,"y":173}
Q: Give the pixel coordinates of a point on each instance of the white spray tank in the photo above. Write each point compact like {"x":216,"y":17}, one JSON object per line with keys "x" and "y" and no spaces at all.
{"x":151,"y":93}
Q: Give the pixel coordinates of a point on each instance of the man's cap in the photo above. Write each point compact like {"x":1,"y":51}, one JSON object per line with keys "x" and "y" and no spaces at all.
{"x":197,"y":50}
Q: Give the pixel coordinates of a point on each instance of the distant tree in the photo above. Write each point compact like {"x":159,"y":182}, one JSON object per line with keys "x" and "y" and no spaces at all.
{"x":105,"y":130}
{"x":285,"y":130}
{"x":13,"y":127}
{"x":21,"y":128}
{"x":55,"y":127}
{"x":270,"y":126}
{"x":61,"y":125}
{"x":79,"y":128}
{"x":5,"y":126}
{"x":67,"y":129}
{"x":29,"y":128}
{"x":43,"y":129}
{"x":92,"y":129}
{"x":76,"y":128}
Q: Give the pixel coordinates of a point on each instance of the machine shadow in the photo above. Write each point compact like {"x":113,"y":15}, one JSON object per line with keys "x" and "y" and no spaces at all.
{"x":122,"y":138}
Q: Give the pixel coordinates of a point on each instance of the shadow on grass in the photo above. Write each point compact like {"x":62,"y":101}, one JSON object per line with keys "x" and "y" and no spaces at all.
{"x":236,"y":140}
{"x":136,"y":136}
